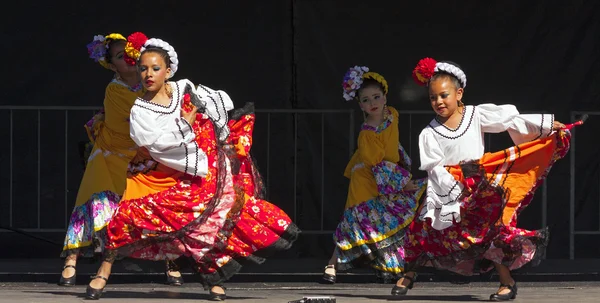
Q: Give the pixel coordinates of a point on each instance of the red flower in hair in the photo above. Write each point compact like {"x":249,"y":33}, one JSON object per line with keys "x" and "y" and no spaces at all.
{"x":129,"y":60}
{"x":424,"y":71}
{"x":137,"y":40}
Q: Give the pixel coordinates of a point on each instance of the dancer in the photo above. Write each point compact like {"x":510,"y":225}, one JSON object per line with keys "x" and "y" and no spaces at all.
{"x":191,"y":189}
{"x":469,"y":218}
{"x":104,"y":178}
{"x":382,"y":198}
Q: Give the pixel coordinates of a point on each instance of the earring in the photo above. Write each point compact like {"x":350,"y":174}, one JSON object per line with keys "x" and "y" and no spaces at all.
{"x":385,"y":112}
{"x":460,"y":103}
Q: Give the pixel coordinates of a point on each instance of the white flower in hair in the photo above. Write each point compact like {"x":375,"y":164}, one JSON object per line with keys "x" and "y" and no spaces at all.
{"x":352,"y":81}
{"x":99,"y":38}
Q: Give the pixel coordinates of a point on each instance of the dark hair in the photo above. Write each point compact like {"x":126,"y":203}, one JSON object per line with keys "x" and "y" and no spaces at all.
{"x":446,"y":75}
{"x":108,"y":56}
{"x":157,"y":50}
{"x":368,"y":83}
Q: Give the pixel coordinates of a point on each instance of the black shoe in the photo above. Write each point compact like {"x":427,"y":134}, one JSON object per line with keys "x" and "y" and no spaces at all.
{"x":93,"y":293}
{"x":327,"y":278}
{"x":505,"y":297}
{"x":172,"y":280}
{"x":215,"y":296}
{"x":68,"y":281}
{"x":403,"y":290}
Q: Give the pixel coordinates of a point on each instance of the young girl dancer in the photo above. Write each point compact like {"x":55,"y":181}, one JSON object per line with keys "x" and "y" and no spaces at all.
{"x":469,"y":218}
{"x":192,"y":191}
{"x":104,"y":178}
{"x":382,"y":198}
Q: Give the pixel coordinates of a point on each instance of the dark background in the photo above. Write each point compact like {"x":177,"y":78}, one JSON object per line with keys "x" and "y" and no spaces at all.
{"x":542,"y":56}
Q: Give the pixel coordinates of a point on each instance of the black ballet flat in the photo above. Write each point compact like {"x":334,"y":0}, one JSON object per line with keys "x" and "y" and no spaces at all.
{"x":172,"y":280}
{"x":68,"y":281}
{"x":403,"y":290}
{"x":327,"y":278}
{"x":217,"y":297}
{"x":505,"y":297}
{"x":93,"y":293}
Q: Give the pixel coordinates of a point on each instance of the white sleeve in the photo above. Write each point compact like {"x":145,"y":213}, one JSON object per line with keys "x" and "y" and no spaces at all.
{"x":522,"y":128}
{"x":216,"y":104}
{"x":443,"y":190}
{"x":175,"y":148}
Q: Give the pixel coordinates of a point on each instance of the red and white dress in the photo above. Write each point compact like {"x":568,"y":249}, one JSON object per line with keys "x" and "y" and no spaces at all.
{"x":193,"y":190}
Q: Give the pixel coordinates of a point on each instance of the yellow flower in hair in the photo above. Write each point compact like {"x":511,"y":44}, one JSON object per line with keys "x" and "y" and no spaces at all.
{"x":131,"y":51}
{"x":114,"y":36}
{"x":379,"y":78}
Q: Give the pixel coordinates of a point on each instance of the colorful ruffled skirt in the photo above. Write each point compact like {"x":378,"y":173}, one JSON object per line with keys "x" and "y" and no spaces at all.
{"x":85,"y":233}
{"x":371,"y":233}
{"x":216,"y":222}
{"x":498,"y":187}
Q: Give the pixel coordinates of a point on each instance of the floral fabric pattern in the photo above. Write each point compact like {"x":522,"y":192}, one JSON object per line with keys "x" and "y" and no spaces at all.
{"x":184,"y":220}
{"x":87,"y":220}
{"x":390,"y":177}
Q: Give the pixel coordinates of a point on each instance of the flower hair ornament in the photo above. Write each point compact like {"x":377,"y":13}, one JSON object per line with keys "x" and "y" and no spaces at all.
{"x":98,"y":48}
{"x":135,"y":42}
{"x":354,"y":77}
{"x":427,"y":67}
{"x":155,"y":42}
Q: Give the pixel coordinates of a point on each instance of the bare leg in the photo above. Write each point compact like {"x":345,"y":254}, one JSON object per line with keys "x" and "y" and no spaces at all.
{"x":333,"y":259}
{"x":173,"y":269}
{"x":505,"y":278}
{"x":70,"y":260}
{"x":403,"y":282}
{"x":103,"y":271}
{"x":218,"y":290}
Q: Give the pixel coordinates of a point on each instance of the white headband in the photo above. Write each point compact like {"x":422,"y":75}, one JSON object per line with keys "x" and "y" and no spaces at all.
{"x":453,"y":70}
{"x":168,"y":48}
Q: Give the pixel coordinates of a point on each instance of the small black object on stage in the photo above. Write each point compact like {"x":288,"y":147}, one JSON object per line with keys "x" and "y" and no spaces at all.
{"x":315,"y":300}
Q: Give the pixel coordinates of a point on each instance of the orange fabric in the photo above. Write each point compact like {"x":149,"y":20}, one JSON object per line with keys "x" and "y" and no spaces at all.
{"x":142,"y":185}
{"x":530,"y":161}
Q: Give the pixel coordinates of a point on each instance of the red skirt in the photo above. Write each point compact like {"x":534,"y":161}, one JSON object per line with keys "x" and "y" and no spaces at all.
{"x":216,"y":221}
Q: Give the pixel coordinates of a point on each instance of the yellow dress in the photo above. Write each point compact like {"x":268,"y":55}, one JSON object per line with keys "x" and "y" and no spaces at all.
{"x":373,"y":147}
{"x":105,"y":175}
{"x":377,"y":207}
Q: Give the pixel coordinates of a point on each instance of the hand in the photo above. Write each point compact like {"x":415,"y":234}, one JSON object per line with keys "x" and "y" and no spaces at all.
{"x":189,"y":116}
{"x":411,"y":186}
{"x":557,"y":125}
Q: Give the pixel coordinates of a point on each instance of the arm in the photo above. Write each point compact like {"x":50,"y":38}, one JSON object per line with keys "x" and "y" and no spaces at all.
{"x":443,"y":190}
{"x":521,"y":128}
{"x":175,"y":148}
{"x":214,"y":103}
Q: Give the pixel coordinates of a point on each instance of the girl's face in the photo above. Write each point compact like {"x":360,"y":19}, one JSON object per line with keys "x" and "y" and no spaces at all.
{"x":372,"y":100}
{"x":444,"y":97}
{"x":153,"y":70}
{"x":117,"y":59}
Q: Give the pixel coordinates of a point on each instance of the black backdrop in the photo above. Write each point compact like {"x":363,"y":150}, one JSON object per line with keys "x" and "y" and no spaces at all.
{"x":285,"y":54}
